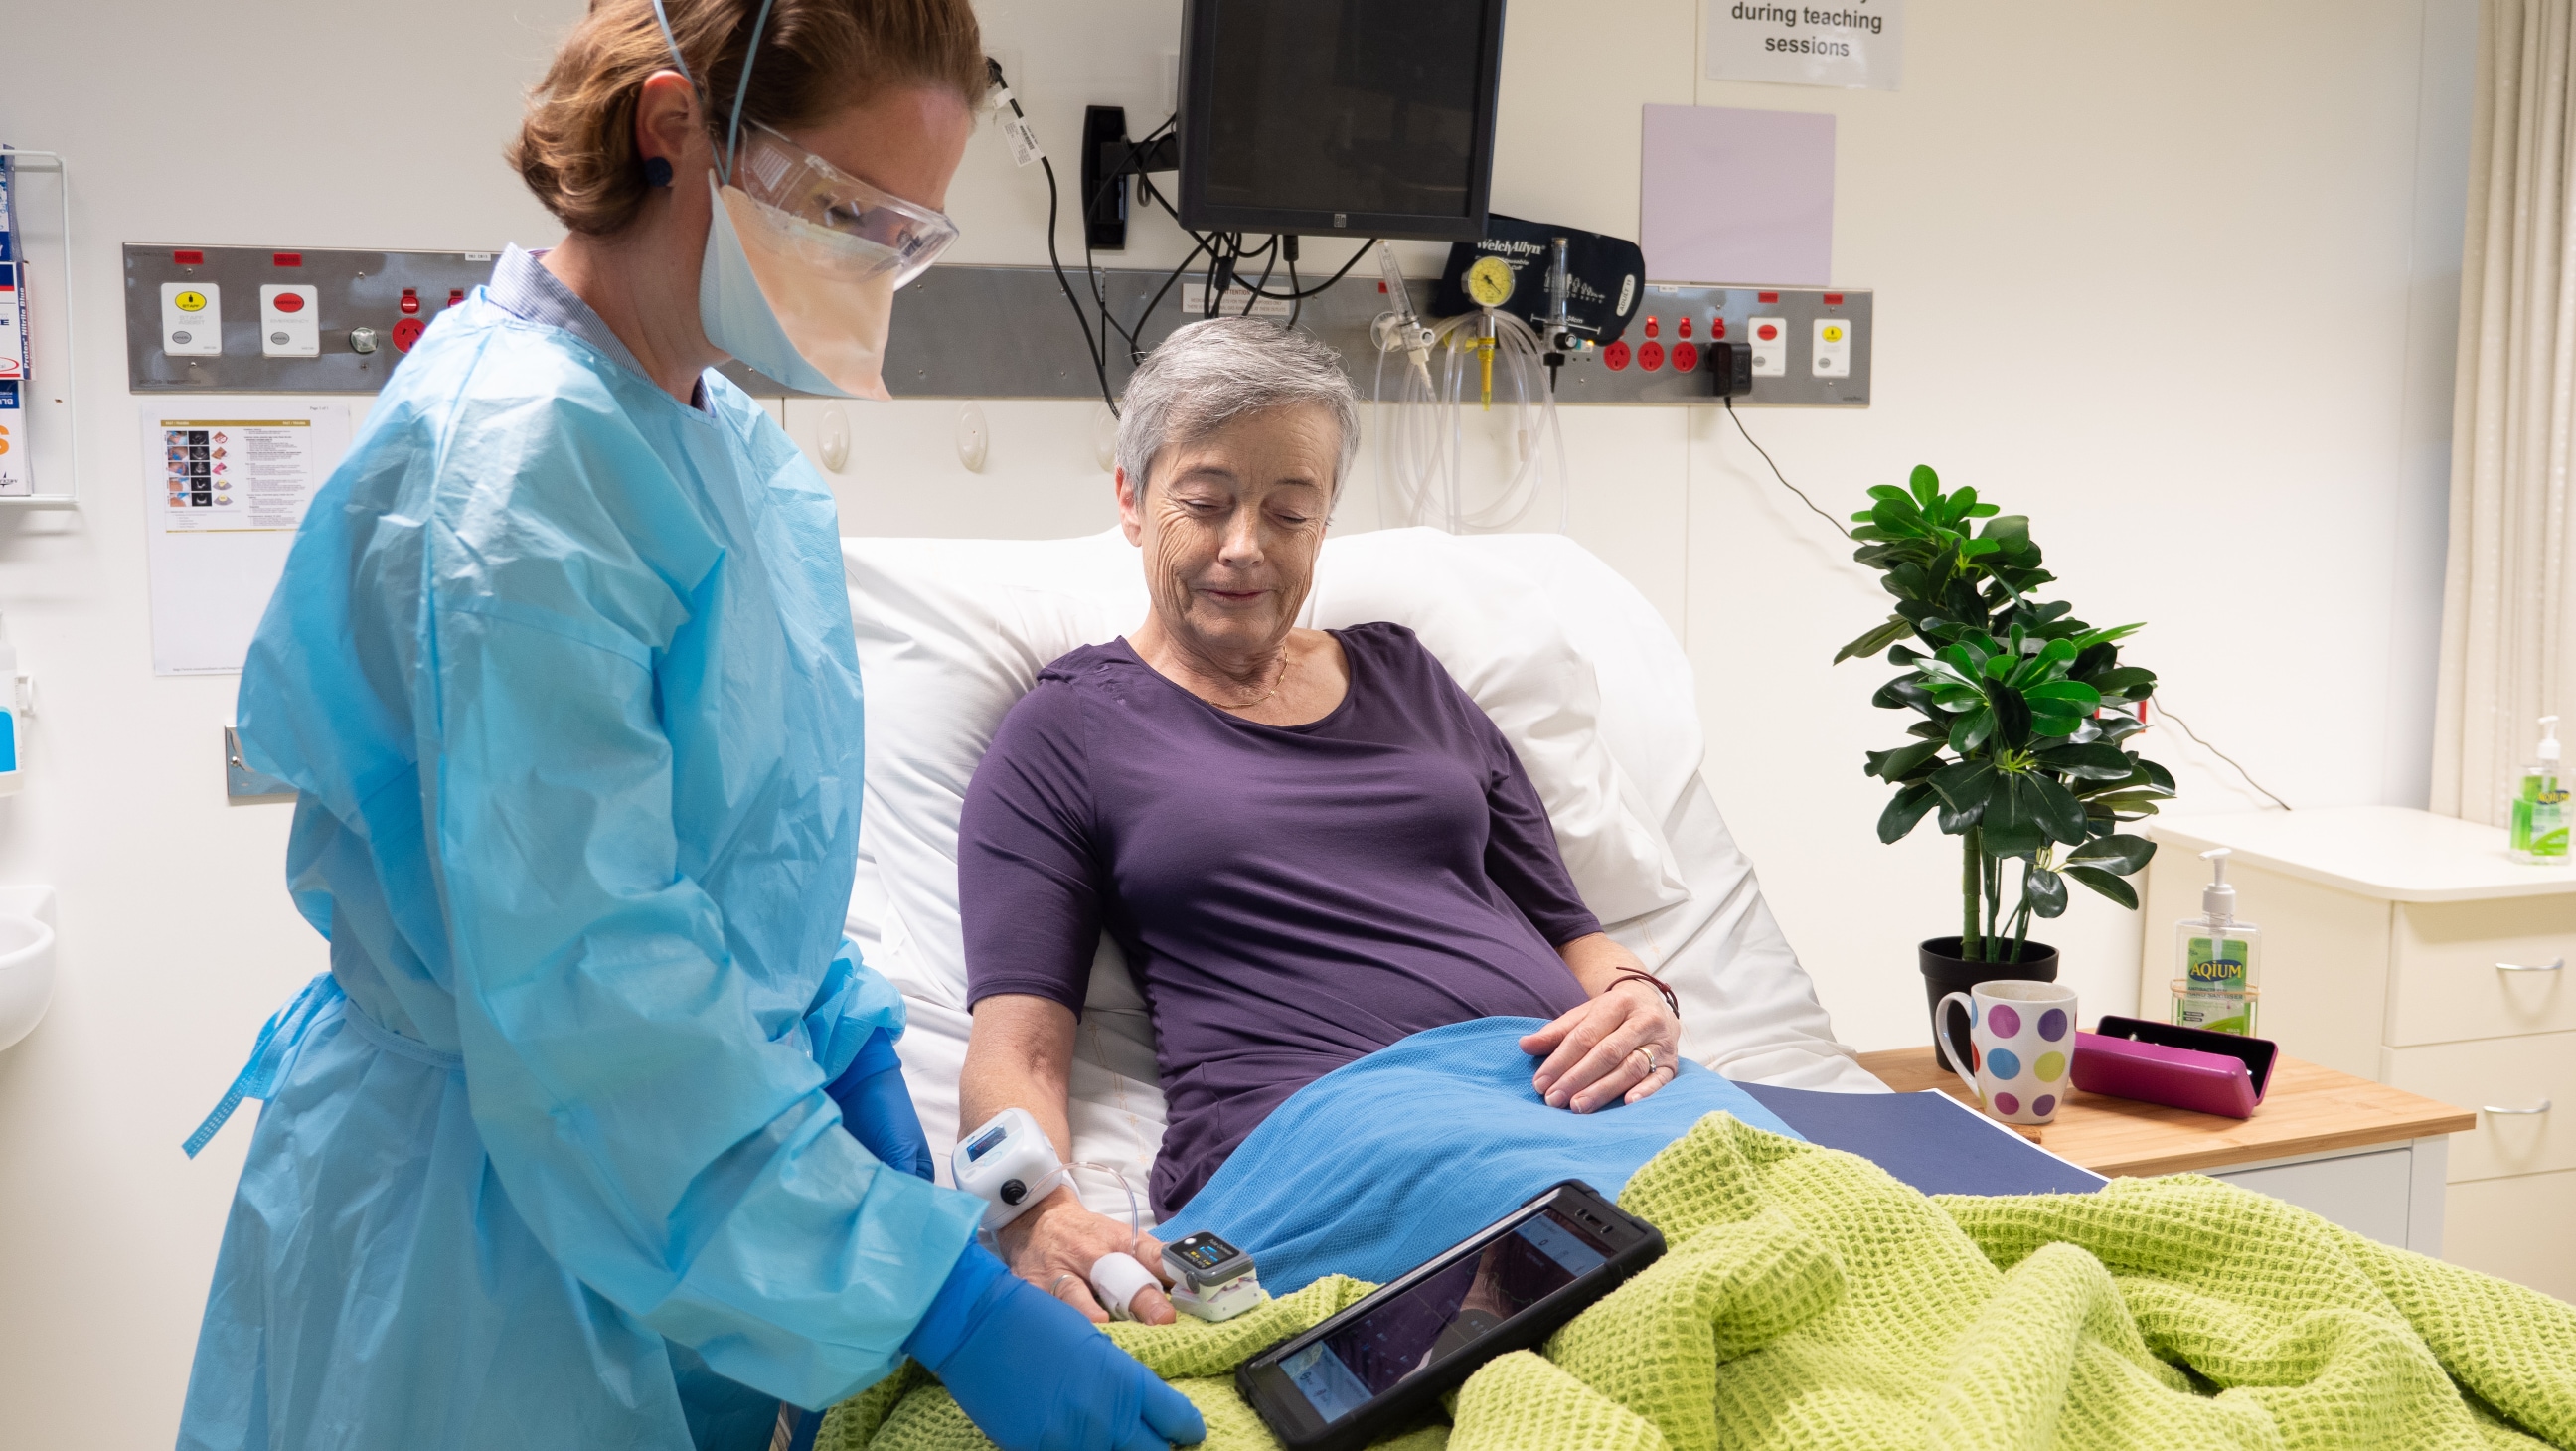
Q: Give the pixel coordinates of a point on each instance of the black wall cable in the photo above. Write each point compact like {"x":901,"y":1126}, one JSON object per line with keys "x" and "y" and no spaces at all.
{"x":2159,"y":704}
{"x":993,"y":71}
{"x":1783,"y":478}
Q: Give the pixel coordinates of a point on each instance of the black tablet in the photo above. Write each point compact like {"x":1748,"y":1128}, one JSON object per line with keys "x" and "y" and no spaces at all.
{"x":1369,"y":1370}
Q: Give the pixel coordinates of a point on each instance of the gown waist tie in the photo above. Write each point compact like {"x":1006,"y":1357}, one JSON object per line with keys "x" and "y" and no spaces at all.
{"x":283,"y":1036}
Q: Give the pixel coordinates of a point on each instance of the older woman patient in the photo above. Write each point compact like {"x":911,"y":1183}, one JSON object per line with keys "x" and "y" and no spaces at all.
{"x":1310,"y":843}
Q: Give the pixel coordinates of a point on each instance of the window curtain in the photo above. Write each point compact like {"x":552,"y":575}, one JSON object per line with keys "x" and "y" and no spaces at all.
{"x":2508,"y":592}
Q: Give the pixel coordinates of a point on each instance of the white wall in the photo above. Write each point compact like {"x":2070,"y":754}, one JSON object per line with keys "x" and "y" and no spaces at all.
{"x":2177,"y":280}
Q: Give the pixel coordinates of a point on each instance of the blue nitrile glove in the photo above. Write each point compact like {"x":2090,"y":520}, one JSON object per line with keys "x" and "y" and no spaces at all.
{"x":877,"y":1109}
{"x":1034,"y":1375}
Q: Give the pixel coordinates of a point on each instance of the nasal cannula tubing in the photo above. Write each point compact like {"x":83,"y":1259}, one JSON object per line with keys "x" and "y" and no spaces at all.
{"x":1422,"y":441}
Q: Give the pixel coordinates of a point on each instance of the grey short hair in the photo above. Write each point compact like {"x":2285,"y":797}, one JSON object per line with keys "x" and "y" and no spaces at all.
{"x":1207,"y":374}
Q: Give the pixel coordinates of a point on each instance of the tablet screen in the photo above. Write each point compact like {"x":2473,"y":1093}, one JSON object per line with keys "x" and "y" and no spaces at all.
{"x":1445,"y":1311}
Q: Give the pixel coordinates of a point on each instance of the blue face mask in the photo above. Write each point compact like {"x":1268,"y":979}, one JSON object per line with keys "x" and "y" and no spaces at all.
{"x":838,"y":292}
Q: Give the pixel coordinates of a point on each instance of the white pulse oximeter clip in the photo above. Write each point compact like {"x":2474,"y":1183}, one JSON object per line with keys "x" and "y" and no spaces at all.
{"x":1008,"y":1163}
{"x":1211,"y":1278}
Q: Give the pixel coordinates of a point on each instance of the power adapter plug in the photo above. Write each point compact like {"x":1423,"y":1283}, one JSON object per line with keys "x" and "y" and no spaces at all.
{"x":1730,"y":369}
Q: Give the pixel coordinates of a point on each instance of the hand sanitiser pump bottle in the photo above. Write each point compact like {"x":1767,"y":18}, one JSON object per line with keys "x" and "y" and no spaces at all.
{"x":11,"y":748}
{"x":2537,"y":831}
{"x":2220,"y":958}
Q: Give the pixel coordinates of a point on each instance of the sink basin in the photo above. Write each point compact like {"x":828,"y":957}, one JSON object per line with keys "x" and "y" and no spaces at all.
{"x":26,"y":976}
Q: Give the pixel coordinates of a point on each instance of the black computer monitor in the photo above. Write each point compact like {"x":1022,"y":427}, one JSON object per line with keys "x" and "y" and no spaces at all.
{"x":1360,"y":118}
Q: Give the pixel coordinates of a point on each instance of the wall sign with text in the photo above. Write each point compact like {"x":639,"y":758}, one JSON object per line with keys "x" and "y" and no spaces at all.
{"x":1849,"y":43}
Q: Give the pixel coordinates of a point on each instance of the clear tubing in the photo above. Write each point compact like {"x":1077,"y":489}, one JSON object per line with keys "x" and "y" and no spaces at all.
{"x":1423,"y":433}
{"x":1135,"y":1211}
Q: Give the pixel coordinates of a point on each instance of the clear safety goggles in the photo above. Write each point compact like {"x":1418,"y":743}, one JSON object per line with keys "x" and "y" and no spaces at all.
{"x":847,"y":226}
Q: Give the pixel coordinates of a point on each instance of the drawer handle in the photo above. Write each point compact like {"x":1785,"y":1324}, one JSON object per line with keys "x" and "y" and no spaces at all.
{"x":2516,"y":1112}
{"x":2554,"y":964}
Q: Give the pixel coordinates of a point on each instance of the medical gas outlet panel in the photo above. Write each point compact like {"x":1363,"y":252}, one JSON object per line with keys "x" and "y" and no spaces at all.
{"x":266,"y":320}
{"x":977,"y":331}
{"x":309,"y":320}
{"x":1810,"y":347}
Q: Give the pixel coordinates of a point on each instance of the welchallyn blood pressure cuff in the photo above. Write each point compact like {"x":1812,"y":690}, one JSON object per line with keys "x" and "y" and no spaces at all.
{"x":1606,"y":281}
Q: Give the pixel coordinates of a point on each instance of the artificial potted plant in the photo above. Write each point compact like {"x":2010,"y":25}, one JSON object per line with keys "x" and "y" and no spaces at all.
{"x":2022,"y":710}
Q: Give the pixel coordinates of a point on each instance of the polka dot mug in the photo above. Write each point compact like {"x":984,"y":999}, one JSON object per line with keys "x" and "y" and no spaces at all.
{"x":2021,"y":1039}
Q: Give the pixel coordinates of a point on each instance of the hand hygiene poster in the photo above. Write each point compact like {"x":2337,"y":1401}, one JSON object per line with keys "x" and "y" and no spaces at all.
{"x":1855,"y":44}
{"x":226,"y":483}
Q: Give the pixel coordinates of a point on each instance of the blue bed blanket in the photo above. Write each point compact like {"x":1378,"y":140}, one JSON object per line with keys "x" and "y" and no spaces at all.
{"x":1377,"y":1166}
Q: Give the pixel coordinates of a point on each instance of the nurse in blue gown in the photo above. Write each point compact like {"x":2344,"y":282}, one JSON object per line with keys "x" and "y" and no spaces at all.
{"x":594,"y":1135}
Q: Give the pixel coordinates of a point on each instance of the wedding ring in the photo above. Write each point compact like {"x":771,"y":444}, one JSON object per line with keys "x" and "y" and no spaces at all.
{"x":1650,"y":1059}
{"x":1057,"y":1289}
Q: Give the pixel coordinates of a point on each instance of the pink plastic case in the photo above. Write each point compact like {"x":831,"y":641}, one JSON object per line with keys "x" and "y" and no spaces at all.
{"x":2193,"y":1068}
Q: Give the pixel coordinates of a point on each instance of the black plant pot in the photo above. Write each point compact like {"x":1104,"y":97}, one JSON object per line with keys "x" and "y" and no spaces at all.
{"x":1945,"y":972}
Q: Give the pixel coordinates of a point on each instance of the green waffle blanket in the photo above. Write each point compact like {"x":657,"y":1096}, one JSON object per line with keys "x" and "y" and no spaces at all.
{"x":1808,"y":1299}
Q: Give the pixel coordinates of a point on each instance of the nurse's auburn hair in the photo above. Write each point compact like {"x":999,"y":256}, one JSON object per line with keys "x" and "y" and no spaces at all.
{"x":576,"y":150}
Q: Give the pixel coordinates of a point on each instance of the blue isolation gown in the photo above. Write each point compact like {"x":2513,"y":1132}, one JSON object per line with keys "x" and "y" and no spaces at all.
{"x":562,"y":671}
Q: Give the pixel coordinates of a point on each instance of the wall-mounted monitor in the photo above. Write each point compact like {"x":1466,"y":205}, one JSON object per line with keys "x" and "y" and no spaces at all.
{"x":1359,"y":118}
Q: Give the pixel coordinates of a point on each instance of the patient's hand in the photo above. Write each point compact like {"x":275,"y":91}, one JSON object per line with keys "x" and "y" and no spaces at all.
{"x":1592,"y":1051}
{"x":1060,"y":1238}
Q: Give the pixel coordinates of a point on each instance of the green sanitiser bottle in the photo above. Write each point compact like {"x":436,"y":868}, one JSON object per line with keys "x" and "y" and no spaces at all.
{"x":2537,"y":831}
{"x":2221,"y":960}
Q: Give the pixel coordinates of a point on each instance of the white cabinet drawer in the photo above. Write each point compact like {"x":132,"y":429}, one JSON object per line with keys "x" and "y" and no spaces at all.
{"x":2521,"y":1229}
{"x":2447,"y":986}
{"x":2365,"y":1193}
{"x":2503,"y":1073}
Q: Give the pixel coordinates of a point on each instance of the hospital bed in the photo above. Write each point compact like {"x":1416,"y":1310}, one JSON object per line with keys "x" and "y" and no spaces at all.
{"x":1577,"y":669}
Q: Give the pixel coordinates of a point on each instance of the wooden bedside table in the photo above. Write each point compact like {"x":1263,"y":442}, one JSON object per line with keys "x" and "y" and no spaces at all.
{"x":2365,"y":1155}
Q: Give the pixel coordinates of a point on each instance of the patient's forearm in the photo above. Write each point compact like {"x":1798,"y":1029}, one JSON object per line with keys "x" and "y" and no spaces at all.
{"x":1019,"y":1055}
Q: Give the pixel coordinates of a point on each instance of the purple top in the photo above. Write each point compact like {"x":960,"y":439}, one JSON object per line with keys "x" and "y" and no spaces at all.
{"x":1289,"y":897}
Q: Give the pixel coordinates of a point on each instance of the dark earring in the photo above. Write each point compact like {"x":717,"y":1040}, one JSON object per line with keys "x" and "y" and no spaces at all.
{"x":657,"y":171}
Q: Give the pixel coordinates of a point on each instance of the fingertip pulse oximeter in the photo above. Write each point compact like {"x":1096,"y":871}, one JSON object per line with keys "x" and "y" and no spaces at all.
{"x":1211,"y":1279}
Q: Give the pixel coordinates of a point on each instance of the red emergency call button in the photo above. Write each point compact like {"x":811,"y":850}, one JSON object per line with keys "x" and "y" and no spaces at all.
{"x":289,"y":302}
{"x":1615,"y":356}
{"x":1685,"y":358}
{"x":187,"y":258}
{"x":1651,"y":356}
{"x":410,"y":301}
{"x":1833,"y":299}
{"x":1767,"y":333}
